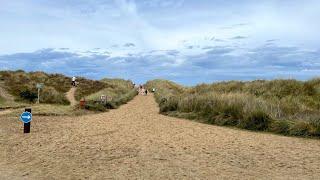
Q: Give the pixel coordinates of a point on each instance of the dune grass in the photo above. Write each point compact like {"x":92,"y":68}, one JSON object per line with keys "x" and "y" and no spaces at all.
{"x":21,"y":86}
{"x":117,"y":91}
{"x":288,"y":107}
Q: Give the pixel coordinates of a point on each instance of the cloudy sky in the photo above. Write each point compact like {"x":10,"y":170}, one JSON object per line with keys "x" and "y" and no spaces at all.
{"x":188,"y":41}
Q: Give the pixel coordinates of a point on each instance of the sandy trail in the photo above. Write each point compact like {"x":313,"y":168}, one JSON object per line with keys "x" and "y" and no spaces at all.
{"x":5,"y":94}
{"x":135,"y":142}
{"x":70,"y":96}
{"x":7,"y":111}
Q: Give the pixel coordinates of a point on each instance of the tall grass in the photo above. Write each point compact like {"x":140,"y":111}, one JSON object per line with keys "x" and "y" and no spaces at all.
{"x":287,"y":107}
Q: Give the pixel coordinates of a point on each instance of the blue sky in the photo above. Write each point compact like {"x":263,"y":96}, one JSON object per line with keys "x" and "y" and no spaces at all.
{"x":188,"y":41}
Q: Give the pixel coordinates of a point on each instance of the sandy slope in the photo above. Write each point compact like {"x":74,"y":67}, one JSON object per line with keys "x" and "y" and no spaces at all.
{"x":70,"y":96}
{"x":5,"y":94}
{"x":135,"y":142}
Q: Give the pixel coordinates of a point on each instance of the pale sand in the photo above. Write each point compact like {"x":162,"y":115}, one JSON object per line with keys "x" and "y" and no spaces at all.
{"x":135,"y":142}
{"x":70,"y":96}
{"x":6,"y":111}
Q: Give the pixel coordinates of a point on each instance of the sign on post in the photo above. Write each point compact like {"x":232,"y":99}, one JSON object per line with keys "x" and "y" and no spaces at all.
{"x":39,"y":86}
{"x":26,"y":118}
{"x":103,"y":98}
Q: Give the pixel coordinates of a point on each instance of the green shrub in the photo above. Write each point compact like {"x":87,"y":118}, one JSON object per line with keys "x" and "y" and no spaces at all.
{"x":256,"y":120}
{"x":95,"y":107}
{"x":280,"y":127}
{"x":300,"y":128}
{"x":233,"y":110}
{"x":315,"y":126}
{"x":169,"y":105}
{"x":224,"y":120}
{"x":28,"y":95}
{"x":52,"y":96}
{"x":111,"y":105}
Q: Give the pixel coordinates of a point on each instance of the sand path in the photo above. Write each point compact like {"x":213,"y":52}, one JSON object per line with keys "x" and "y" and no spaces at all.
{"x":135,"y":142}
{"x":7,"y":111}
{"x":4,"y":94}
{"x":70,"y":96}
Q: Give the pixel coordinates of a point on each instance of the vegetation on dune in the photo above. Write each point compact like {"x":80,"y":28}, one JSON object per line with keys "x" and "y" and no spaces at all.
{"x":22,"y":86}
{"x":288,"y":107}
{"x":86,"y":87}
{"x":117,"y":91}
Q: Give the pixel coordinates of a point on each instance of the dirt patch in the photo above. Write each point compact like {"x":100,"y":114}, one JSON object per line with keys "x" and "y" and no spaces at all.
{"x":135,"y":142}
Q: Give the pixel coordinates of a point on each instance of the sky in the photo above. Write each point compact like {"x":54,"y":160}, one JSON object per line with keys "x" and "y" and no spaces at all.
{"x":187,"y":41}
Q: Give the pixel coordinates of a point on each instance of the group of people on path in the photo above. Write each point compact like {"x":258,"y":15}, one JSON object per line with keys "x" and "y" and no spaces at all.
{"x":142,"y":90}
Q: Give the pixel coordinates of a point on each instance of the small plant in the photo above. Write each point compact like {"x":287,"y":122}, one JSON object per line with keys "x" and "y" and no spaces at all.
{"x":223,"y":120}
{"x":28,"y":95}
{"x":300,"y":128}
{"x":95,"y":107}
{"x":280,"y":127}
{"x":315,"y":126}
{"x":170,"y":105}
{"x":257,"y":120}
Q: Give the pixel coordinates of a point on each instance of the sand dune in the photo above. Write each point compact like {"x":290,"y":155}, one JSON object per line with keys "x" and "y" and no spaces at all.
{"x":135,"y":142}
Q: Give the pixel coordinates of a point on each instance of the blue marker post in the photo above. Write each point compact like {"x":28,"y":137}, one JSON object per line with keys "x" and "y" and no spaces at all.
{"x":26,"y":118}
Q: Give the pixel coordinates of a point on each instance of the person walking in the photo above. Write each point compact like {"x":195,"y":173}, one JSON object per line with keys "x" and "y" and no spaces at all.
{"x":146,"y":91}
{"x":74,"y":81}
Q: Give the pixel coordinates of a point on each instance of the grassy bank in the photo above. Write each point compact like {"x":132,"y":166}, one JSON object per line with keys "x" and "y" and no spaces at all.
{"x":117,"y":91}
{"x":287,"y":107}
{"x":22,"y":86}
{"x":18,"y":89}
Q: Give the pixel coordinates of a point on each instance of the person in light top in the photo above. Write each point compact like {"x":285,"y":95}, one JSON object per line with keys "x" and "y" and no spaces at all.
{"x":74,"y":81}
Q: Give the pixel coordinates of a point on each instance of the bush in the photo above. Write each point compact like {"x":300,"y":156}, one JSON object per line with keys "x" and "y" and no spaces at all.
{"x":257,"y":120}
{"x":300,"y":128}
{"x":280,"y":127}
{"x":234,"y":111}
{"x":52,"y":96}
{"x":223,"y":120}
{"x":315,"y":126}
{"x":95,"y":107}
{"x":169,"y":105}
{"x":28,"y":95}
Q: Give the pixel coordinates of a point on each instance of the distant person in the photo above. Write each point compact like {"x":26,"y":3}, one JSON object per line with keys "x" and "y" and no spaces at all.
{"x":146,"y":92}
{"x":73,"y":81}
